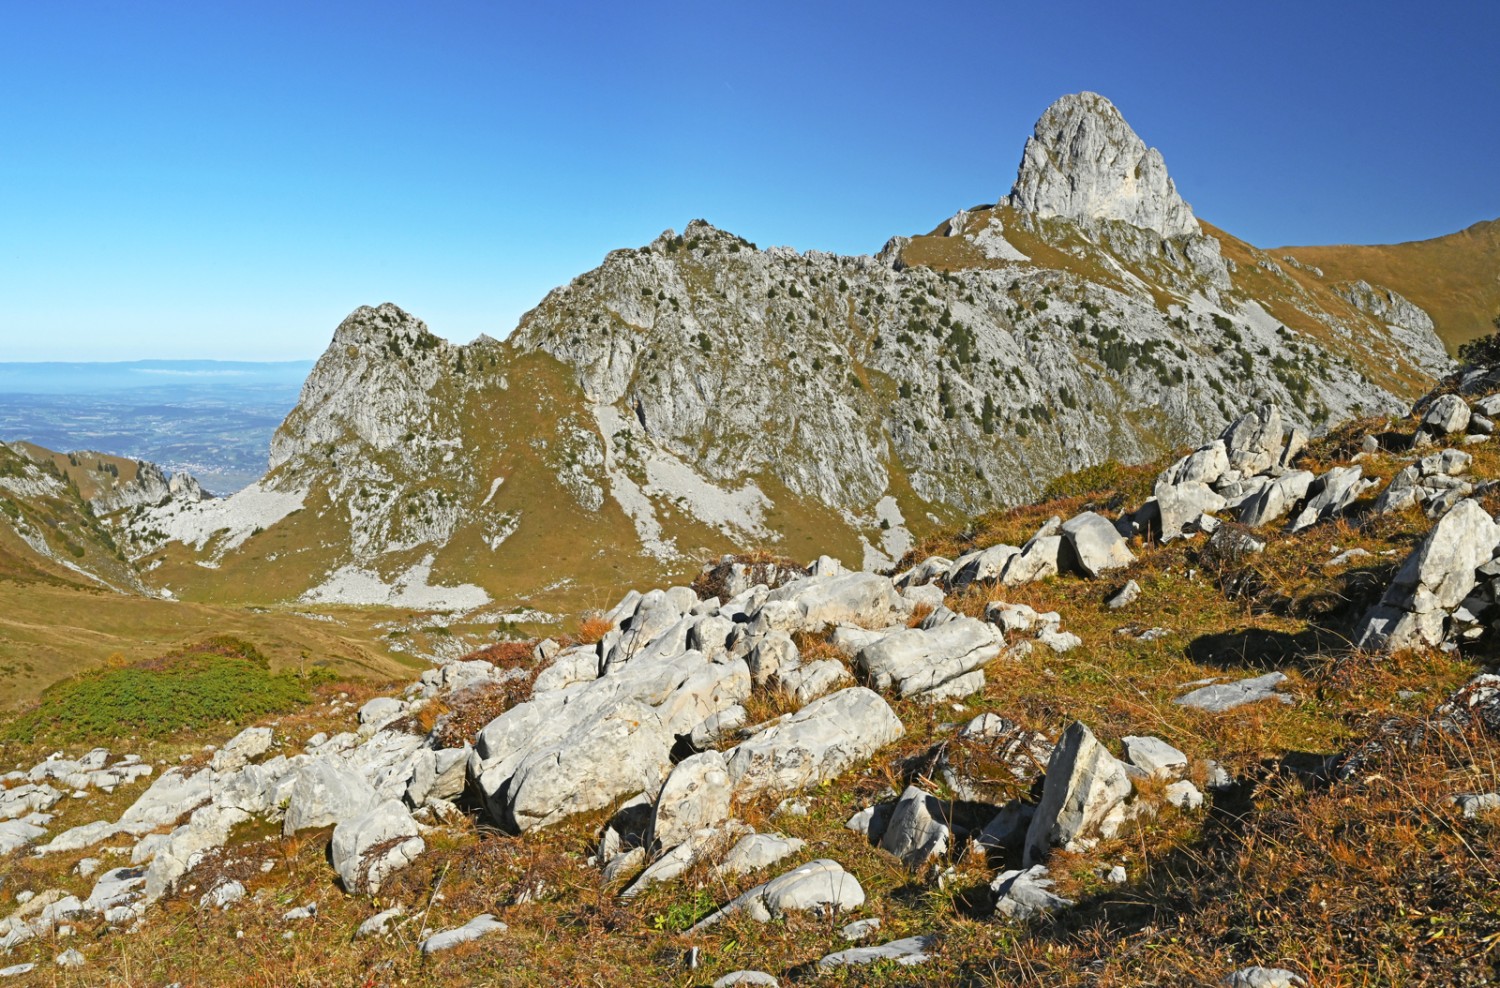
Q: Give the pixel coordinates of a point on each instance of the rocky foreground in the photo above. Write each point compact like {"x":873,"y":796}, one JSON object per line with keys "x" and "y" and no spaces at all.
{"x":689,"y":750}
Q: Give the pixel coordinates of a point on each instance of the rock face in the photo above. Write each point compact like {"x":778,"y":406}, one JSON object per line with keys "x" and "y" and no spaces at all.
{"x":1084,"y":163}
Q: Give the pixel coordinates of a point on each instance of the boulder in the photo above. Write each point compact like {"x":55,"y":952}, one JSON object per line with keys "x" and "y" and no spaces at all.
{"x":370,"y":847}
{"x":1181,"y":507}
{"x":1329,"y":496}
{"x":811,"y":680}
{"x":820,"y":887}
{"x":1276,"y":499}
{"x":323,"y":792}
{"x":1205,"y":465}
{"x":915,"y":661}
{"x":821,"y":741}
{"x":1096,"y":547}
{"x":1083,"y":795}
{"x":1253,"y":442}
{"x":1447,"y":415}
{"x":1432,"y":582}
{"x":982,"y":566}
{"x":862,"y":599}
{"x":916,"y":832}
{"x":1037,"y":560}
{"x":626,"y":749}
{"x":695,"y":797}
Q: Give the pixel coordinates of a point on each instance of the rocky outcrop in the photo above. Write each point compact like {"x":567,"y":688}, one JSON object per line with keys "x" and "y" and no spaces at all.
{"x":1084,"y":163}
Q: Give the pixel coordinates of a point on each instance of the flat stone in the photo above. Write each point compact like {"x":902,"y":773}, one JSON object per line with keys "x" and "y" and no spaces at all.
{"x":820,"y":887}
{"x":737,"y":978}
{"x":1022,"y":894}
{"x":906,"y":952}
{"x":821,"y":741}
{"x":1154,"y":756}
{"x":756,"y":851}
{"x":1220,"y":697}
{"x":1263,"y":977}
{"x":480,"y":926}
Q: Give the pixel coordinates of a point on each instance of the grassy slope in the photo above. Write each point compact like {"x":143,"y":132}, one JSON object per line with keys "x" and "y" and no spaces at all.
{"x":1455,"y":278}
{"x":1371,"y":883}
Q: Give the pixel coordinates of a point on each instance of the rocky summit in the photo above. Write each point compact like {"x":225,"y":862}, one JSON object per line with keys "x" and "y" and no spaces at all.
{"x":1071,"y":595}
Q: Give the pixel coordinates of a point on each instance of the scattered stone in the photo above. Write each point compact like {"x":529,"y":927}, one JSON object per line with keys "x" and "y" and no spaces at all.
{"x":1184,"y":795}
{"x":70,"y":958}
{"x":1220,"y":697}
{"x":1472,"y":805}
{"x":859,"y":929}
{"x":1117,"y":875}
{"x":756,"y":851}
{"x":300,"y":913}
{"x":16,"y":970}
{"x":738,"y":978}
{"x":480,"y":926}
{"x":1263,"y":977}
{"x":380,"y":923}
{"x":906,"y":952}
{"x":1127,"y":595}
{"x":1023,"y":894}
{"x":223,"y":895}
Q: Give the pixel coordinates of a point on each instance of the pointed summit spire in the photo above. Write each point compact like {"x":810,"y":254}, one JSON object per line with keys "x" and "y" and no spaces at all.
{"x":1084,"y":163}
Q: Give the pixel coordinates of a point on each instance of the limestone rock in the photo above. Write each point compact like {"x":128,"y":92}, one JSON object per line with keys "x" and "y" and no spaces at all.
{"x":906,"y":952}
{"x":695,"y":796}
{"x":1084,"y":163}
{"x":1085,"y":786}
{"x":915,"y":661}
{"x":480,"y":926}
{"x":368,"y":848}
{"x":916,"y":832}
{"x":1447,"y":415}
{"x":1219,"y":697}
{"x":1096,"y":546}
{"x":820,"y":887}
{"x":822,"y":740}
{"x":1022,"y":894}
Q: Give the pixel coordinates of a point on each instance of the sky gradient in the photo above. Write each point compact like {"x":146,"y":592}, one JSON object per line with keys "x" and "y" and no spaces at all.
{"x":207,"y":180}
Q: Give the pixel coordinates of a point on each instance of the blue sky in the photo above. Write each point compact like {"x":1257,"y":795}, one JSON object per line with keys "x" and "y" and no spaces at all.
{"x":214,"y":180}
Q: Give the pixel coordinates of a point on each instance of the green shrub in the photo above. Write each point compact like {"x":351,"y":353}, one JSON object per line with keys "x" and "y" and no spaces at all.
{"x":221,"y":679}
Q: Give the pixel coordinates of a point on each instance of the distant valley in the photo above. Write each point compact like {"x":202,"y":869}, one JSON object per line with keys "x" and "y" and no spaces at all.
{"x":211,"y":418}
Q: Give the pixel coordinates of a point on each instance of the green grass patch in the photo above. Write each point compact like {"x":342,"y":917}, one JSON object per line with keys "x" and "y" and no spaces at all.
{"x":217,"y":680}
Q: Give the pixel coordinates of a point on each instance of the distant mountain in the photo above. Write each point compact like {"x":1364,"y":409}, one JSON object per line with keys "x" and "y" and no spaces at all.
{"x":698,"y":394}
{"x":211,"y":418}
{"x":1455,"y":279}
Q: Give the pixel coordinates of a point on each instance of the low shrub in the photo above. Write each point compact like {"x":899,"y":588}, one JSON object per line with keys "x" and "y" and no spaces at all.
{"x":214,"y":681}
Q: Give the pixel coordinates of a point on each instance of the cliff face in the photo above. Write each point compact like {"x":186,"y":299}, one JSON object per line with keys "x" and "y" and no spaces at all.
{"x":698,"y":394}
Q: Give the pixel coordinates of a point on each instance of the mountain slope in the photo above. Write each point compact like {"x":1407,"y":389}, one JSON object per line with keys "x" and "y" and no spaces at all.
{"x":1455,"y":278}
{"x":697,"y":394}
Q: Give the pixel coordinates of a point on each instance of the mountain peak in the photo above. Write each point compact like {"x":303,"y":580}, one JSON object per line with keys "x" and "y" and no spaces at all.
{"x":1083,"y":162}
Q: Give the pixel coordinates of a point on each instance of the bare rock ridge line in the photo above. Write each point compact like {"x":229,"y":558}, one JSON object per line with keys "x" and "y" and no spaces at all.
{"x":1087,"y":317}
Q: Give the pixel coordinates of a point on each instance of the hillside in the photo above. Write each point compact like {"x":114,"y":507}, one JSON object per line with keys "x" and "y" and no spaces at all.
{"x":1115,"y":737}
{"x":72,"y":600}
{"x":697,"y":393}
{"x":1455,"y":278}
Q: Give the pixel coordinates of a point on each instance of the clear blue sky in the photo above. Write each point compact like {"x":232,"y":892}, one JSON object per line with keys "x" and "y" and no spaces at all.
{"x":229,"y":180}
